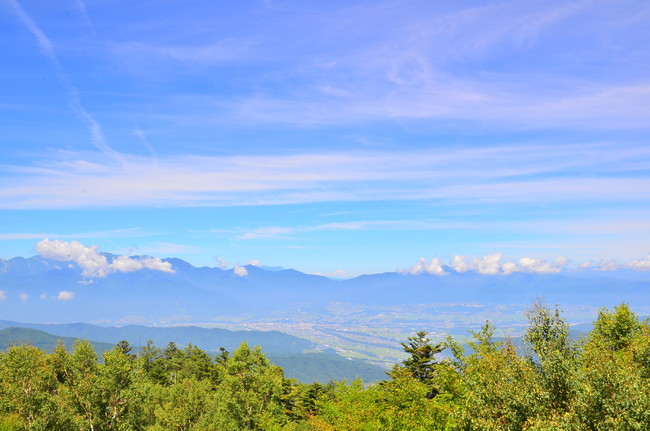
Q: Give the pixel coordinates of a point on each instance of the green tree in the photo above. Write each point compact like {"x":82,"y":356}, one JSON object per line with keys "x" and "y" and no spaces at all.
{"x":248,"y":395}
{"x":556,"y":357}
{"x":125,"y":347}
{"x":78,"y":374}
{"x":99,"y":396}
{"x":118,"y":396}
{"x":616,"y":329}
{"x":615,"y":387}
{"x":195,"y":364}
{"x":27,"y":385}
{"x":150,"y":353}
{"x":180,"y":406}
{"x":421,"y":365}
{"x":400,"y":404}
{"x":501,"y":389}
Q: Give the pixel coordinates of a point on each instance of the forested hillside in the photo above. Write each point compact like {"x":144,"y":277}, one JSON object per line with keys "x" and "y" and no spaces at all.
{"x":206,"y":338}
{"x":599,"y":383}
{"x":304,"y":367}
{"x":44,"y":341}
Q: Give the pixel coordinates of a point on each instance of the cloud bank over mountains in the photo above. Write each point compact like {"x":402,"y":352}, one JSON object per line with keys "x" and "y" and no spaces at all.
{"x":94,"y":264}
{"x":97,"y":265}
{"x":491,"y":265}
{"x":41,"y":289}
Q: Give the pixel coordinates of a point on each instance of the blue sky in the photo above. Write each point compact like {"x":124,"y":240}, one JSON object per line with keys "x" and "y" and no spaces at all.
{"x":324,"y":136}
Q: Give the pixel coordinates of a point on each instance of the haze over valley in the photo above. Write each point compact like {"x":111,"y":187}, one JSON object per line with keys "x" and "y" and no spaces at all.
{"x":364,"y":317}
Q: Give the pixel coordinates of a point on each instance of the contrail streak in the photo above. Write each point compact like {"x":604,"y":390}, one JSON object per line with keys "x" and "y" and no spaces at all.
{"x":74,"y":101}
{"x":154,"y":156}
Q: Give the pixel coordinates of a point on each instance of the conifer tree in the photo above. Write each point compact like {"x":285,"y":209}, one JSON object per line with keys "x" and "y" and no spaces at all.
{"x":421,"y":365}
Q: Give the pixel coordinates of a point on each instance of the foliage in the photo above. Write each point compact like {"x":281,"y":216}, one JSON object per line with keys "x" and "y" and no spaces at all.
{"x":421,"y":365}
{"x":557,"y":384}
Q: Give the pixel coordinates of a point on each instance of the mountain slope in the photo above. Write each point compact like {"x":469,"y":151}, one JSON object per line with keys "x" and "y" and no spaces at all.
{"x":207,"y":339}
{"x":304,"y":367}
{"x":323,"y":367}
{"x":44,"y":341}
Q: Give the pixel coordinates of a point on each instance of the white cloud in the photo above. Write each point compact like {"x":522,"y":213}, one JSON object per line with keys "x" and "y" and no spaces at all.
{"x":423,"y":267}
{"x":489,"y":264}
{"x":23,"y":296}
{"x":65,"y":295}
{"x":3,"y":295}
{"x":606,"y":265}
{"x":537,"y":266}
{"x":222,"y":263}
{"x":128,"y":264}
{"x":42,"y":296}
{"x":459,"y":265}
{"x":639,"y":265}
{"x":509,"y":268}
{"x":255,"y":262}
{"x":94,"y":264}
{"x":240,"y":271}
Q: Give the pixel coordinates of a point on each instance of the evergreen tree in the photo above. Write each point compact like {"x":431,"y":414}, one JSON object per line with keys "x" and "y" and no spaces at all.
{"x":125,"y":347}
{"x":422,"y":363}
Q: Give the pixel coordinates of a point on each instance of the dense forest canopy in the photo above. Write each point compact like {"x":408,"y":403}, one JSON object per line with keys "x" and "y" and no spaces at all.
{"x":601,"y":382}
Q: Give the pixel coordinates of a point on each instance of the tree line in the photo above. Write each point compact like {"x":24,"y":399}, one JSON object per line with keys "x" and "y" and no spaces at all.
{"x":601,"y":382}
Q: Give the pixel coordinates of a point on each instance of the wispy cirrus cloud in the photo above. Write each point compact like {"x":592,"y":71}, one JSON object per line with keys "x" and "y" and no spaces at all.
{"x":163,"y":248}
{"x":503,"y":64}
{"x":221,"y":51}
{"x":74,"y":100}
{"x":544,"y":173}
{"x":284,"y":232}
{"x":115,"y":233}
{"x":608,"y":107}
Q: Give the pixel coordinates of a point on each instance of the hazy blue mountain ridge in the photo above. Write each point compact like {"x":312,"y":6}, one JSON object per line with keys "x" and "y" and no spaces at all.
{"x":208,"y":339}
{"x":15,"y":335}
{"x":192,"y":294}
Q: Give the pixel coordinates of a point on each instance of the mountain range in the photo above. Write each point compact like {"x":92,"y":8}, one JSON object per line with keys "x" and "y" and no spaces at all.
{"x":32,"y":291}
